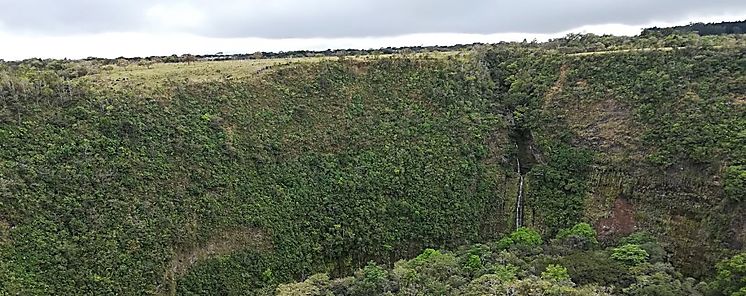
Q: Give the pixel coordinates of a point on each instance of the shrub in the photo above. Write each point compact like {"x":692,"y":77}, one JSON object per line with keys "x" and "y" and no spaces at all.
{"x":488,"y":284}
{"x":473,"y":264}
{"x":580,"y":230}
{"x":535,"y":286}
{"x":371,"y":280}
{"x":731,"y":275}
{"x":735,"y":183}
{"x":638,"y":238}
{"x":432,"y":273}
{"x":660,"y":283}
{"x":556,"y":273}
{"x":523,"y":238}
{"x":596,"y":267}
{"x":504,"y":243}
{"x":316,"y":285}
{"x":526,"y":237}
{"x":581,"y":236}
{"x":630,"y":254}
{"x":648,"y":243}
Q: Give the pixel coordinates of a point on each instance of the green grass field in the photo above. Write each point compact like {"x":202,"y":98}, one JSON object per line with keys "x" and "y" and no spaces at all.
{"x":142,"y":76}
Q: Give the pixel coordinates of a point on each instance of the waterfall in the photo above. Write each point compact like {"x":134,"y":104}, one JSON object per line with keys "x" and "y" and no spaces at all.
{"x":519,"y":200}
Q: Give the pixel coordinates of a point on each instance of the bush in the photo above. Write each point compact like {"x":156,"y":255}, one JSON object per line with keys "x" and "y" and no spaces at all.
{"x":526,"y":237}
{"x":630,"y":254}
{"x":638,"y":238}
{"x":581,"y":236}
{"x":556,"y":273}
{"x":488,"y":284}
{"x":431,"y":273}
{"x":504,"y":243}
{"x":539,"y":287}
{"x":596,"y":267}
{"x":523,"y":239}
{"x":735,"y":183}
{"x":371,"y":280}
{"x":648,"y":243}
{"x":731,"y":275}
{"x":473,"y":264}
{"x":316,"y":285}
{"x":580,"y":230}
{"x":660,"y":283}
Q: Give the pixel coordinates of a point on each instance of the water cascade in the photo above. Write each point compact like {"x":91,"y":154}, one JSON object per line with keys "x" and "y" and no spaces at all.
{"x":519,"y":199}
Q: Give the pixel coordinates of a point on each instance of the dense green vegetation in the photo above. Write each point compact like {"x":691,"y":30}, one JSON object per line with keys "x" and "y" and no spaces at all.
{"x":556,"y":268}
{"x":701,"y":29}
{"x":237,"y":185}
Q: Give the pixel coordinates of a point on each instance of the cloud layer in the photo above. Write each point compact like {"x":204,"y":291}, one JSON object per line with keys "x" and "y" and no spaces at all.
{"x":340,"y":18}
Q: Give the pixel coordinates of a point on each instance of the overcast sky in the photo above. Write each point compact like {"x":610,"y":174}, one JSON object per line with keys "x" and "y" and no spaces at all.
{"x":112,"y":28}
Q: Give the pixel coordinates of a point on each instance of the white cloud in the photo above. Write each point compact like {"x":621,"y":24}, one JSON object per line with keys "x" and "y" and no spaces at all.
{"x":175,"y":17}
{"x":112,"y":45}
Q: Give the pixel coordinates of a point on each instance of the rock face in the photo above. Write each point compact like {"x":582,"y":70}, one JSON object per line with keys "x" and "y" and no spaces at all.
{"x":621,"y":220}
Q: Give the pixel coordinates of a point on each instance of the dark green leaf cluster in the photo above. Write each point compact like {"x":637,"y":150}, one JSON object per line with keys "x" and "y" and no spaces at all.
{"x":490,"y":270}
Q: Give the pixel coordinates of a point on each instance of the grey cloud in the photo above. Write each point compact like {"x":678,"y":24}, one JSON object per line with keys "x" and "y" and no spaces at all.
{"x":54,"y":17}
{"x":349,"y":18}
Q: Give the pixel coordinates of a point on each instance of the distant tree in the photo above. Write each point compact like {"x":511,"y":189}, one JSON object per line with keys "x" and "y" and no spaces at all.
{"x":122,"y":62}
{"x":630,"y":254}
{"x":699,"y":28}
{"x":735,"y":183}
{"x":146,"y":63}
{"x":581,"y":236}
{"x":731,"y":276}
{"x":523,"y":236}
{"x":556,"y":273}
{"x":188,"y":58}
{"x":583,"y":230}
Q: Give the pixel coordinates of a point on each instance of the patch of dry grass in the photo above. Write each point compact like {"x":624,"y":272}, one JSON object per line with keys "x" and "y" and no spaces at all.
{"x":150,"y":76}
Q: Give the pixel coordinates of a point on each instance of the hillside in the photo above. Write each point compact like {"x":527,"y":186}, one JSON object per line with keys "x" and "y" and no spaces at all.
{"x":701,"y":29}
{"x":233,"y":177}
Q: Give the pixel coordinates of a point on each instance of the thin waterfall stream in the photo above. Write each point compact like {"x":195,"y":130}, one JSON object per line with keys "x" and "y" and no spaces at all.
{"x":519,"y":199}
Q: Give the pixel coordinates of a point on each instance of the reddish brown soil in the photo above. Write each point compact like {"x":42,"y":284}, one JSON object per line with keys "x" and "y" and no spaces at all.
{"x":620,"y":222}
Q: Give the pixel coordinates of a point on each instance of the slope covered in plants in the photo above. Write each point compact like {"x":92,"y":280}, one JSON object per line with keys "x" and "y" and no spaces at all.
{"x":234,"y":184}
{"x":521,"y":264}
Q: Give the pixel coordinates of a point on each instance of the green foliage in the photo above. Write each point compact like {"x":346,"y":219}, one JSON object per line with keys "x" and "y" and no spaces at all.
{"x":436,"y":272}
{"x":488,"y":284}
{"x":735,"y":183}
{"x":731,"y":275}
{"x":326,"y":166}
{"x":316,"y":285}
{"x":630,"y":254}
{"x":596,"y":267}
{"x":648,"y":243}
{"x":526,"y":236}
{"x":560,"y":186}
{"x":504,"y":273}
{"x":581,"y":236}
{"x":505,"y":243}
{"x":523,"y":237}
{"x":660,"y":284}
{"x":430,"y":273}
{"x":374,"y":280}
{"x":330,"y":164}
{"x":660,"y":279}
{"x":556,"y":273}
{"x":584,"y":230}
{"x":638,"y":238}
{"x":473,"y":264}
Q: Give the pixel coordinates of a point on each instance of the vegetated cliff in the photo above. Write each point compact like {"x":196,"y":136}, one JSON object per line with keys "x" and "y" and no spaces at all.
{"x":236,"y":185}
{"x":636,"y":140}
